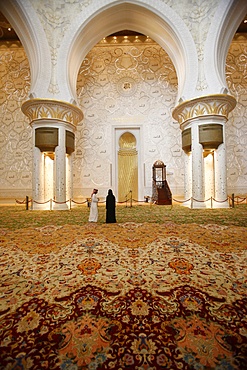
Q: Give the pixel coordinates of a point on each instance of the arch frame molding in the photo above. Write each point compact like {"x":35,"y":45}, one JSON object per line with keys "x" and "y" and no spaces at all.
{"x":157,"y":21}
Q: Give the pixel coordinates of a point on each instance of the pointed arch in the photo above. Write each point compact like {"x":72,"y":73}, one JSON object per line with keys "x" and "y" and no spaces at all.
{"x":27,"y":26}
{"x":159,"y":22}
{"x":229,"y":15}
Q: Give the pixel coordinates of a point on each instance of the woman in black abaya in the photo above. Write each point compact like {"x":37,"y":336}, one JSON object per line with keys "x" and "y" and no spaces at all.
{"x":110,"y":208}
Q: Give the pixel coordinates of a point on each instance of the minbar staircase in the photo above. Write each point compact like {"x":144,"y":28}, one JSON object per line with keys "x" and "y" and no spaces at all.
{"x":164,"y":195}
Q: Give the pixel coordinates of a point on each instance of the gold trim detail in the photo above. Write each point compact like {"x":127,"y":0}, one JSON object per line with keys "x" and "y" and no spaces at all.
{"x":218,"y":104}
{"x":51,"y":109}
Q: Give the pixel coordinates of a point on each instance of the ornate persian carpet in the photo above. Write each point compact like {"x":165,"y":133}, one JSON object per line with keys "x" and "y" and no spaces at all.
{"x":123,"y":296}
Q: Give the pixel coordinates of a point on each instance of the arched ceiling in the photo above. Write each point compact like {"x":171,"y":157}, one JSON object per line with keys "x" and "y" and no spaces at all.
{"x":162,"y":32}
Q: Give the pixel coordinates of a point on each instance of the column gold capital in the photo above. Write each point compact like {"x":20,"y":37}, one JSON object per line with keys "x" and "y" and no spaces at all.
{"x":203,"y":106}
{"x":50,"y":109}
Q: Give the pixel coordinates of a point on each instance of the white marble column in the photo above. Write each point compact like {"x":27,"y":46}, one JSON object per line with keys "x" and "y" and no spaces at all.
{"x":220,"y":170}
{"x":198,"y":187}
{"x":69,"y":171}
{"x":48,"y":176}
{"x":60,"y":165}
{"x":187,"y":180}
{"x":209,"y":178}
{"x":38,"y":179}
{"x":61,"y":116}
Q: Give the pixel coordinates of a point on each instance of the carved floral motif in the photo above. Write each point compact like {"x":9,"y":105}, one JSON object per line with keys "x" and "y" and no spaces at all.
{"x":39,"y":109}
{"x":217,"y":105}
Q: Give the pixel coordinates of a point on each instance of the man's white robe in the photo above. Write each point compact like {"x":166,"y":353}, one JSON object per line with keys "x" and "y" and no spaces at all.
{"x":93,"y":216}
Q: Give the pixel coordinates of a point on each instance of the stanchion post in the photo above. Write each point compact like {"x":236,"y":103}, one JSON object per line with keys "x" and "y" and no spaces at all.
{"x":26,"y":203}
{"x":233,"y":200}
{"x":211,"y":202}
{"x":50,"y":204}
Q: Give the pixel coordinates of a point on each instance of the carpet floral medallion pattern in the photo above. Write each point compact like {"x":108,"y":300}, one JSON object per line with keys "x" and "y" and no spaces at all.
{"x":123,"y":296}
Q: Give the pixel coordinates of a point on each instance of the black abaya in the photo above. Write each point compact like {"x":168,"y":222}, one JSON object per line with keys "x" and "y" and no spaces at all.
{"x":110,"y":207}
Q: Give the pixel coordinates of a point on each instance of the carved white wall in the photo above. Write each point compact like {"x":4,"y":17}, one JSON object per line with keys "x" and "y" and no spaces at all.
{"x":15,"y":132}
{"x":146,"y":102}
{"x":236,"y":139}
{"x":125,"y":85}
{"x":131,"y":84}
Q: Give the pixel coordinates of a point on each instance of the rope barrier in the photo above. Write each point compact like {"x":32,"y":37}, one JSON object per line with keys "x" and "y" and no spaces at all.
{"x":181,"y":201}
{"x":199,"y":201}
{"x":34,"y":201}
{"x":229,"y":199}
{"x":220,"y":201}
{"x":242,"y":199}
{"x":73,"y":201}
{"x":20,"y":202}
{"x":60,"y":202}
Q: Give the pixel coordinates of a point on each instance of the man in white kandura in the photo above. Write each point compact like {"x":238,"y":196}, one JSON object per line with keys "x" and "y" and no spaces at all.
{"x":93,"y":216}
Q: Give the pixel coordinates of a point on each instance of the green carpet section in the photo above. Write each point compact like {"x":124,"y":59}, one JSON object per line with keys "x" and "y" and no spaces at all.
{"x":18,"y":217}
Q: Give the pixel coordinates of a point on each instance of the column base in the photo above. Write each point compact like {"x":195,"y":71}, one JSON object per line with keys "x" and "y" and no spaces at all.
{"x":224,"y":204}
{"x":60,"y":206}
{"x":198,"y":205}
{"x":187,"y":204}
{"x":40,"y":206}
{"x":192,"y":204}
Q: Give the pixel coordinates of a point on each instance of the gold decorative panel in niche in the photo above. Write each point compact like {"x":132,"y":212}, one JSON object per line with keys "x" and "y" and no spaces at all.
{"x":127,"y":167}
